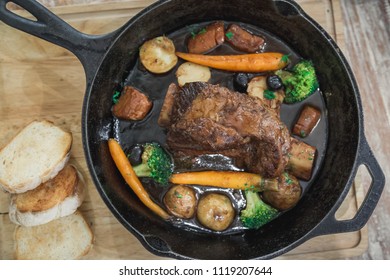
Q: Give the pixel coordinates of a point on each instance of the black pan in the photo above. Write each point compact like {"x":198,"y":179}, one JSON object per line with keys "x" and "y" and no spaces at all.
{"x":107,"y":60}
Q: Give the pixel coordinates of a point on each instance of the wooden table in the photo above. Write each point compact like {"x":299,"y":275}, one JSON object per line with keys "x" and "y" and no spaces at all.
{"x":367,"y":47}
{"x":41,"y":81}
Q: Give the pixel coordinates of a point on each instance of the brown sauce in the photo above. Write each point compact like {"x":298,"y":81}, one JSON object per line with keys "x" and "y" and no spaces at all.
{"x":131,"y":133}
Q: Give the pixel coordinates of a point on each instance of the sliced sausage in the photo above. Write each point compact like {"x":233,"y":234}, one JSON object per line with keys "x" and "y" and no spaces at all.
{"x":307,"y":120}
{"x":242,"y":40}
{"x":207,"y":38}
{"x":132,"y":105}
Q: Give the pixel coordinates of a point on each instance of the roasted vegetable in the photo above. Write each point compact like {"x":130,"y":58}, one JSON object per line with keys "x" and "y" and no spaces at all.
{"x":256,"y":213}
{"x":190,"y":72}
{"x":258,"y":88}
{"x":300,"y":82}
{"x":156,"y":164}
{"x":255,"y":62}
{"x":287,"y":195}
{"x":127,"y":171}
{"x":225,"y":179}
{"x":158,"y":55}
{"x":215,"y":211}
{"x":181,"y":201}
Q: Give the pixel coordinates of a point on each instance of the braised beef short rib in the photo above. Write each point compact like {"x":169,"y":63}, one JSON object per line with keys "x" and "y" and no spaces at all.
{"x":209,"y":119}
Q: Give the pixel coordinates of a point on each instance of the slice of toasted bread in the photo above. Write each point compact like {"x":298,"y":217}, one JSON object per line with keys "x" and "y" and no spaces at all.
{"x":66,"y":238}
{"x":58,"y":197}
{"x":36,"y":154}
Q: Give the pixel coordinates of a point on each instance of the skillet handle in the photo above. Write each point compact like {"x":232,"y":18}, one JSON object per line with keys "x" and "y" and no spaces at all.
{"x":330,"y":225}
{"x":89,"y":49}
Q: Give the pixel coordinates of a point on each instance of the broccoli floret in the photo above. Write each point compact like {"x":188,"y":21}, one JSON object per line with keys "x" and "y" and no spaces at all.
{"x":257,"y":213}
{"x":300,"y":82}
{"x":156,"y":164}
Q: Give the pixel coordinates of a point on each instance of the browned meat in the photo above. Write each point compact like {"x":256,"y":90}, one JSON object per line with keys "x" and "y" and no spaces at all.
{"x":302,"y":157}
{"x":132,"y":105}
{"x":243,"y":40}
{"x":207,"y":38}
{"x":166,"y":109}
{"x":209,"y":119}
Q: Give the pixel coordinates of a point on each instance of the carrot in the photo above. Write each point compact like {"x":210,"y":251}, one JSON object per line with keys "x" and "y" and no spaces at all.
{"x":125,"y":168}
{"x":255,"y":62}
{"x":225,"y":179}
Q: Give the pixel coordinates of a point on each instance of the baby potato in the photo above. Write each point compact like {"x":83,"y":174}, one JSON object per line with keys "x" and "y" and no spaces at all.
{"x":288,"y":194}
{"x":158,"y":55}
{"x":181,"y":201}
{"x":190,"y":72}
{"x":215,"y":211}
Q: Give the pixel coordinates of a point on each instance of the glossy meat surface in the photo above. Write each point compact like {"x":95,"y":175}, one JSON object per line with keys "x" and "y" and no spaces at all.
{"x":209,"y":119}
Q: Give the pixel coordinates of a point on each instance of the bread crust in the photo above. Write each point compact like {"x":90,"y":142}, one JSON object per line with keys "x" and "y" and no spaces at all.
{"x":57,"y":198}
{"x":50,"y":193}
{"x":66,"y":238}
{"x":40,"y":139}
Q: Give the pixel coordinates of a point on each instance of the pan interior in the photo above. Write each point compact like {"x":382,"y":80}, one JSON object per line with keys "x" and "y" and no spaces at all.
{"x":282,"y":21}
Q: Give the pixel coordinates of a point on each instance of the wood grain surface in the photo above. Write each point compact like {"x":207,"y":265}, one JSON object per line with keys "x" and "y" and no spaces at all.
{"x":39,"y":80}
{"x":367,"y":40}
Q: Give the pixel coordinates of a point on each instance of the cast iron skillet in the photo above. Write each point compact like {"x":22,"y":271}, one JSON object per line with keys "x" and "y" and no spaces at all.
{"x":106,"y":60}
